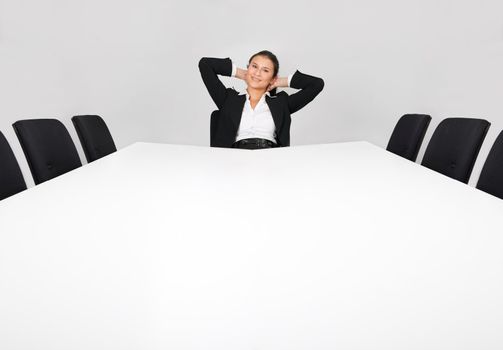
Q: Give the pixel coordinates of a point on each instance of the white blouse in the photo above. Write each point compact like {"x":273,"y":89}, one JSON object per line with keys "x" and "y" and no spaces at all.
{"x":258,"y":122}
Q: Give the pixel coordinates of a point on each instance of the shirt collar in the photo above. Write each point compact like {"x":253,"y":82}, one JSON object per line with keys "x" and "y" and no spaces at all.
{"x":245,"y":93}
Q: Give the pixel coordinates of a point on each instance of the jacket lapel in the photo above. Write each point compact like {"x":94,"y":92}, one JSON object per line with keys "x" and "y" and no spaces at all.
{"x":236,"y":109}
{"x":275,"y":109}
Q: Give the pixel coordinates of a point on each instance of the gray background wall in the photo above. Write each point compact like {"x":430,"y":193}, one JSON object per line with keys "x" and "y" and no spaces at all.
{"x":135,"y":63}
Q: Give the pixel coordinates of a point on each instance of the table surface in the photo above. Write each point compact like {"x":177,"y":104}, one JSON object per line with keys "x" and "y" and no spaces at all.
{"x":335,"y":246}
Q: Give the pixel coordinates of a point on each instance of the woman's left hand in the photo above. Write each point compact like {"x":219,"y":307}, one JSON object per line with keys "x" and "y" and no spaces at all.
{"x":278,"y":82}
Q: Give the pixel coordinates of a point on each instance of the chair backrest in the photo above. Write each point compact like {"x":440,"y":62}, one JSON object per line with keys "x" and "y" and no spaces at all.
{"x":94,"y":136}
{"x":48,"y":148}
{"x":11,"y":178}
{"x":408,"y":135}
{"x":491,"y":177}
{"x":213,"y":126}
{"x":454,"y":147}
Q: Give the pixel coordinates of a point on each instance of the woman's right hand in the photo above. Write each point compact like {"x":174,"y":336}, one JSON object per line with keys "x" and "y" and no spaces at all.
{"x":241,"y":73}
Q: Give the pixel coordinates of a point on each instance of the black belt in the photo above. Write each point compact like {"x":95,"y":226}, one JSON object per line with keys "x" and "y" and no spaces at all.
{"x":254,"y":144}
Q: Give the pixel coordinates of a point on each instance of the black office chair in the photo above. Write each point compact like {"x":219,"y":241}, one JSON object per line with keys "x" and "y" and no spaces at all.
{"x":94,"y":136}
{"x":454,"y":147}
{"x":11,"y":178}
{"x":213,"y":126}
{"x":48,"y":148}
{"x":408,"y":135}
{"x":491,"y":177}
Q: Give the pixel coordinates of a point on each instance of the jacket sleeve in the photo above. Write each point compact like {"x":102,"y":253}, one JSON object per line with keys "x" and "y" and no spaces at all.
{"x":309,"y":87}
{"x":210,"y":68}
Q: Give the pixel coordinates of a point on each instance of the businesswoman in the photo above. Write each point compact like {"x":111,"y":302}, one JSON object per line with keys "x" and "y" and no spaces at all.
{"x":259,"y":117}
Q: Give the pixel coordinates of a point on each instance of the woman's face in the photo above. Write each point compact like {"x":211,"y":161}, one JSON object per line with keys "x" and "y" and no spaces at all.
{"x":260,"y":73}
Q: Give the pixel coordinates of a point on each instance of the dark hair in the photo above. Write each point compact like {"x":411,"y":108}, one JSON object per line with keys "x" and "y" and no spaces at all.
{"x":275,"y":63}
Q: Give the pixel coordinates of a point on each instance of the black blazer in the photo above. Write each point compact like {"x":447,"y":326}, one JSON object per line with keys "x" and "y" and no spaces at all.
{"x":231,"y":104}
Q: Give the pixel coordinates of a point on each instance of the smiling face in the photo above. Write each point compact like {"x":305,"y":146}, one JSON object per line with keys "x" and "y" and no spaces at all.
{"x":260,"y":73}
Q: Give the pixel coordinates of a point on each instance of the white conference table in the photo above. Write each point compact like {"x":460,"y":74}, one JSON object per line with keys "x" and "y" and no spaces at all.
{"x":335,"y":246}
